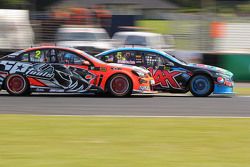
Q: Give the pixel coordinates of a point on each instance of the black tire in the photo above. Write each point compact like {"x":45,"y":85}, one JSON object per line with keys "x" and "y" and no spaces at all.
{"x":17,"y":85}
{"x":201,"y":85}
{"x":119,"y":85}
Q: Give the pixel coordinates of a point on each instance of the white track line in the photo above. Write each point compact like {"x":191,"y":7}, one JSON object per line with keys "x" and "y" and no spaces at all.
{"x":138,"y":116}
{"x":154,"y":95}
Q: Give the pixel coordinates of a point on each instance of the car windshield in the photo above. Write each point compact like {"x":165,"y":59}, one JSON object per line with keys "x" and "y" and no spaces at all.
{"x":92,"y":58}
{"x":81,"y":36}
{"x":13,"y":54}
{"x":16,"y":53}
{"x":174,"y":58}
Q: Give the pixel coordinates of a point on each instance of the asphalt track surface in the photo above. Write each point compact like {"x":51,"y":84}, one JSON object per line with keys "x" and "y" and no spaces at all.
{"x":159,"y":105}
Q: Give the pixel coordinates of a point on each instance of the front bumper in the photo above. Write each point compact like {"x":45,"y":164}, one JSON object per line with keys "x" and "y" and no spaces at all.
{"x":145,"y":87}
{"x":223,"y":89}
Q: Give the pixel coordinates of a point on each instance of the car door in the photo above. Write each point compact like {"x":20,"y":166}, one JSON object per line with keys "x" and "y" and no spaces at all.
{"x":35,"y":66}
{"x":167,"y":76}
{"x":39,"y":64}
{"x":56,"y":71}
{"x":72,"y":71}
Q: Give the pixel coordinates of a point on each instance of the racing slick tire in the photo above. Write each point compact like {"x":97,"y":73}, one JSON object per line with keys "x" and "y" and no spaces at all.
{"x":17,"y":85}
{"x":201,"y":86}
{"x":119,"y":85}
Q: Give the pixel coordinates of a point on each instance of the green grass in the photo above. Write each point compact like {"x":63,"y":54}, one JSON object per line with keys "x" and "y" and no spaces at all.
{"x":67,"y":141}
{"x":157,"y":26}
{"x":242,"y":91}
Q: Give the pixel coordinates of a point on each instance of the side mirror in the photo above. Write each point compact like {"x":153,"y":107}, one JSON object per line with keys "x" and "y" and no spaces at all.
{"x":169,"y":64}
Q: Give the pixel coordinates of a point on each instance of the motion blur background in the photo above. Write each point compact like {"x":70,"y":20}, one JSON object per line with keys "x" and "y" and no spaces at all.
{"x":214,"y":32}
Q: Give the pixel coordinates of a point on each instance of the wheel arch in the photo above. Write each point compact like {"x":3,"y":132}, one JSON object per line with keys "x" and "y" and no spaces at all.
{"x":204,"y":73}
{"x":122,"y":73}
{"x":24,"y":76}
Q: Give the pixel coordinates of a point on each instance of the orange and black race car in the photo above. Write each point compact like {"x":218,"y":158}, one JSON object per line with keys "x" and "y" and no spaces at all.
{"x":60,"y":69}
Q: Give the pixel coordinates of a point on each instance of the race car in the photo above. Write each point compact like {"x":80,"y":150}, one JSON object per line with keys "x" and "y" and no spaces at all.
{"x":61,"y":69}
{"x":172,"y":74}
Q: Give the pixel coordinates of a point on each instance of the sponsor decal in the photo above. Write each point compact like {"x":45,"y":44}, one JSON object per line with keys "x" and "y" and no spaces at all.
{"x":39,"y":74}
{"x":66,"y":78}
{"x":144,"y":88}
{"x":15,"y":67}
{"x":103,"y":69}
{"x":125,"y":61}
{"x":116,"y":68}
{"x":166,"y":78}
{"x":228,"y":83}
{"x":56,"y":90}
{"x":44,"y":71}
{"x":40,"y":90}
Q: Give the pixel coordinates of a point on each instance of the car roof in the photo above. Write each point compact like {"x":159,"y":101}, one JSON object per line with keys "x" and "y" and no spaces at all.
{"x":81,"y":29}
{"x":160,"y":52}
{"x":17,"y":53}
{"x":131,"y":49}
{"x":50,"y":47}
{"x":138,"y":33}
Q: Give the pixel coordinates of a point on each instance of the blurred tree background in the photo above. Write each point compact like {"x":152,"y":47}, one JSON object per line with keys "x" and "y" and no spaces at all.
{"x":17,"y":4}
{"x":221,"y":6}
{"x":198,"y":3}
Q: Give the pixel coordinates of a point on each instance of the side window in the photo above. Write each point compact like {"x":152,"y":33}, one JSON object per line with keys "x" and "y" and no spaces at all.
{"x":52,"y":56}
{"x":110,"y":58}
{"x":124,"y":57}
{"x":25,"y":57}
{"x":66,"y":57}
{"x":152,"y":60}
{"x":36,"y":56}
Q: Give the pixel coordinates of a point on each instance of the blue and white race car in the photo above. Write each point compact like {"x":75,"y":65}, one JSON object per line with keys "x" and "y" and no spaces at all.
{"x":172,"y":74}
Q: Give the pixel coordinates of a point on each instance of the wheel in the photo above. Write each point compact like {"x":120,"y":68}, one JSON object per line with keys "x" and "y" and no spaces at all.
{"x":201,"y":86}
{"x":119,"y":85}
{"x":17,"y":84}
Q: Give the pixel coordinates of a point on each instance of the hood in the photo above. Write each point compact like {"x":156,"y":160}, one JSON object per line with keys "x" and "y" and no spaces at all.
{"x":211,"y":68}
{"x":129,"y":67}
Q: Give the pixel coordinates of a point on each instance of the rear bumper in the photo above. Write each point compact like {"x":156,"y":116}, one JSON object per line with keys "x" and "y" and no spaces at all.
{"x":223,"y":89}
